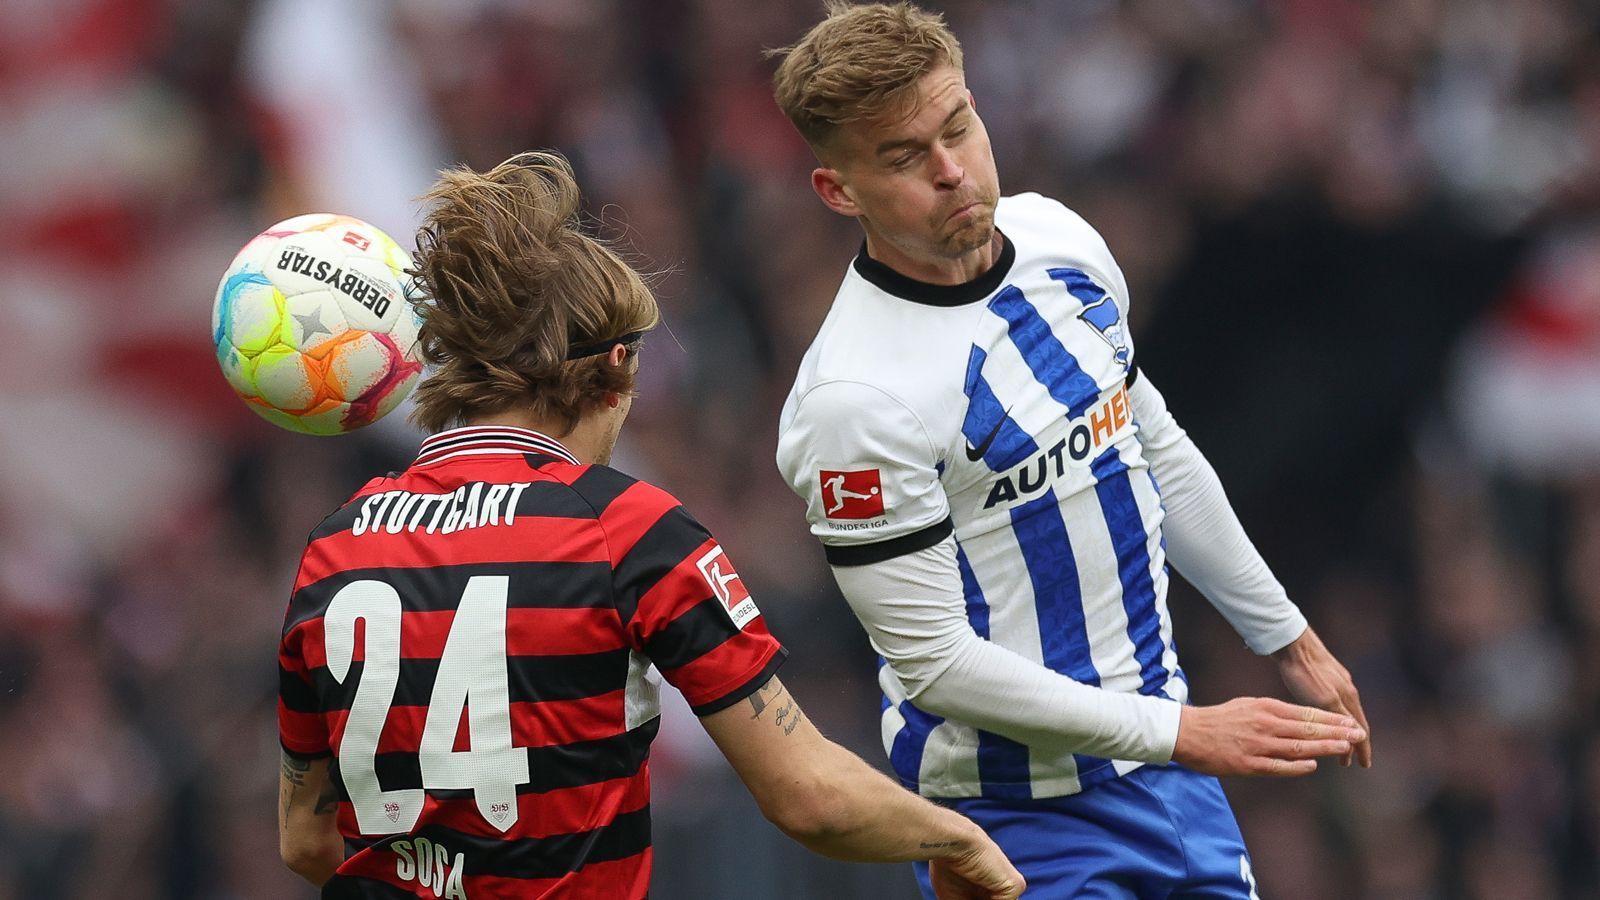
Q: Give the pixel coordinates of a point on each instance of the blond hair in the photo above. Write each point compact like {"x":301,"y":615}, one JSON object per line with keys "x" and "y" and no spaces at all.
{"x":859,"y":63}
{"x":509,"y":286}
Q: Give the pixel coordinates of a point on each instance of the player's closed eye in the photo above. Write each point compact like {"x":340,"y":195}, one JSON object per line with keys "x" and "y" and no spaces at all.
{"x":904,"y":160}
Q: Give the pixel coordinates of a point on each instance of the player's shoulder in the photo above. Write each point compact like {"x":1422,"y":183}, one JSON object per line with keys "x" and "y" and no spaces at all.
{"x":1031,"y":216}
{"x":876,"y":352}
{"x":344,"y":517}
{"x":1051,"y":237}
{"x":843,"y":399}
{"x":607,"y":492}
{"x":837,"y":420}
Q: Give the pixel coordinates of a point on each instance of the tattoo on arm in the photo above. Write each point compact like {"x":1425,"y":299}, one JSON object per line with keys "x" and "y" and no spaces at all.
{"x":794,"y":719}
{"x":294,"y":778}
{"x":328,"y":799}
{"x":294,"y":770}
{"x":774,"y":694}
{"x":765,"y":696}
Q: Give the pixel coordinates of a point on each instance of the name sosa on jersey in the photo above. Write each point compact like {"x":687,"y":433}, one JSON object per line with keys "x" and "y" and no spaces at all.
{"x":430,"y":866}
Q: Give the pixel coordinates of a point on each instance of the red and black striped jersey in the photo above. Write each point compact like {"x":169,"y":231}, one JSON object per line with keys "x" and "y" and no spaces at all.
{"x":476,"y":642}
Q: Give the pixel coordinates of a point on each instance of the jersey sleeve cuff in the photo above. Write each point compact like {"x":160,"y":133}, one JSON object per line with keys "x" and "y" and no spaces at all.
{"x":1168,"y":715}
{"x":304,"y":754}
{"x":879,"y":551}
{"x":744,"y":690}
{"x":1280,"y":636}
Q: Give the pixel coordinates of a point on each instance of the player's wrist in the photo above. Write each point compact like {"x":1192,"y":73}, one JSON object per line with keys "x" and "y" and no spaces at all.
{"x":1186,"y":726}
{"x":1303,"y":648}
{"x":961,"y":837}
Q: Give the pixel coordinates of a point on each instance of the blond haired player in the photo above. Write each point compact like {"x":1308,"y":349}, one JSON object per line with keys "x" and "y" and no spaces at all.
{"x":999,"y":491}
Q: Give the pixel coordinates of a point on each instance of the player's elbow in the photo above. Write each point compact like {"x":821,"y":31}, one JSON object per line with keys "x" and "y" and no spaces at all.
{"x":814,"y":815}
{"x":927,"y":682}
{"x":812,"y":803}
{"x":315,"y":861}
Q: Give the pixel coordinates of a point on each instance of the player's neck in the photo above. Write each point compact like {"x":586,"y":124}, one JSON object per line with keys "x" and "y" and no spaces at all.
{"x":585,"y":441}
{"x":936,"y":270}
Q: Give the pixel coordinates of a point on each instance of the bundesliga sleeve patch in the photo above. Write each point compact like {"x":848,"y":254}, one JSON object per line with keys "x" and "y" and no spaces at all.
{"x":727,"y":586}
{"x":852,"y":495}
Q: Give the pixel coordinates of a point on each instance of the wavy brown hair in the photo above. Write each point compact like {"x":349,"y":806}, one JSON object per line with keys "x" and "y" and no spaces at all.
{"x":859,"y":63}
{"x":509,"y":285}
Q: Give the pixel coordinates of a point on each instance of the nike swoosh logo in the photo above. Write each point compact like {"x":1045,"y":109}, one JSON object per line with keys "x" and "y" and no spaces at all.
{"x":976,"y":453}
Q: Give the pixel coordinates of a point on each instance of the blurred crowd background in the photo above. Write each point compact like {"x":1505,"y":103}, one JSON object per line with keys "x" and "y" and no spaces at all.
{"x":1363,"y":242}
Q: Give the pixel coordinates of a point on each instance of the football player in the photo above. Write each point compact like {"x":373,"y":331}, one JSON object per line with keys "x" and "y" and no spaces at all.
{"x":998,"y":490}
{"x":471,"y":659}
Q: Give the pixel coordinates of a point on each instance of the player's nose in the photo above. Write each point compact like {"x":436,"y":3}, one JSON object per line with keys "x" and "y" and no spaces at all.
{"x":947,"y":171}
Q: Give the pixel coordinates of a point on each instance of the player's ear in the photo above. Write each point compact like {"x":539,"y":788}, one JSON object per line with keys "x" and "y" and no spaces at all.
{"x":830,"y":186}
{"x":619,"y":352}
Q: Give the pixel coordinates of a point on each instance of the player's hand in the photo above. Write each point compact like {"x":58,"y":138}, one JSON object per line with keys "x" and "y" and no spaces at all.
{"x":979,"y":872}
{"x":1261,"y":736}
{"x":1314,"y":677}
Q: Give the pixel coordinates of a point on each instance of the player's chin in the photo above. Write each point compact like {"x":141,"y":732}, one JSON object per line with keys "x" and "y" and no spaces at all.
{"x":969,"y":236}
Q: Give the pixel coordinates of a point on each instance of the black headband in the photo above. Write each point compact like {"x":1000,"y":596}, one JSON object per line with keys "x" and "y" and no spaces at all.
{"x":598,"y":347}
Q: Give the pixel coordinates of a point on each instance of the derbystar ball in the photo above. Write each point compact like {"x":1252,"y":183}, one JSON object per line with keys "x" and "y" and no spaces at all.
{"x":313,"y":326}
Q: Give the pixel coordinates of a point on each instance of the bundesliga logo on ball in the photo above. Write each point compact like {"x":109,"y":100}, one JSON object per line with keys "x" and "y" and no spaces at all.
{"x":313,"y":327}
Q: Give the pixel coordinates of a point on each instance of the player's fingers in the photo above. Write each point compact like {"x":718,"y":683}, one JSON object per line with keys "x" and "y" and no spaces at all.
{"x":1303,"y":749}
{"x":1310,"y":715}
{"x":1275,"y":767}
{"x":1363,"y":749}
{"x":1354,"y":735}
{"x":1318,"y":731}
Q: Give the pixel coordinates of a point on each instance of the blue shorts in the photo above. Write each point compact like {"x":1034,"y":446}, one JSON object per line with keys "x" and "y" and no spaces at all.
{"x":1158,"y":832}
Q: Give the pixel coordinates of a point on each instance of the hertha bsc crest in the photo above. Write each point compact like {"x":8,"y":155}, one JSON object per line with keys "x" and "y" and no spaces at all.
{"x":1106,"y":319}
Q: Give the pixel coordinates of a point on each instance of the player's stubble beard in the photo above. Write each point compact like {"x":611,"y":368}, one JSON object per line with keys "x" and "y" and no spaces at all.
{"x":971,"y":235}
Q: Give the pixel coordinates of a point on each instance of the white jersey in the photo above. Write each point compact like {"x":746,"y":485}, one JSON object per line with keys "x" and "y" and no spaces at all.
{"x":997,"y":409}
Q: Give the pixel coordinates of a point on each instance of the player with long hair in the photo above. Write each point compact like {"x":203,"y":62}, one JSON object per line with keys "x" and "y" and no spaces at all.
{"x":471,"y":660}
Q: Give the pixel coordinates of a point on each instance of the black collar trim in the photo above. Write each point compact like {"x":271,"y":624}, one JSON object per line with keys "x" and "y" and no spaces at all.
{"x":892,"y":282}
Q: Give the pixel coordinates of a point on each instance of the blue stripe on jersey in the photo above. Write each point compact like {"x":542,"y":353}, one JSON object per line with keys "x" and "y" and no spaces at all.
{"x":977,"y":607}
{"x":1173,"y":642}
{"x":1079,"y":285}
{"x":1046,"y":356}
{"x":910,"y":742}
{"x":1002,"y":762}
{"x":985,"y":415}
{"x":905,"y":754}
{"x":1047,"y":553}
{"x":1130,"y":541}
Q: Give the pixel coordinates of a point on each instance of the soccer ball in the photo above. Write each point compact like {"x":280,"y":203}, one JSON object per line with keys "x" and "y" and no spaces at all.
{"x":313,"y":325}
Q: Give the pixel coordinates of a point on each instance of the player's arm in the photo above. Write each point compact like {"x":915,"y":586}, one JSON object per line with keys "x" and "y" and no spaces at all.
{"x":904,"y":586}
{"x":308,"y":838}
{"x":308,"y":834}
{"x":833,"y":803}
{"x":914,"y":611}
{"x":1207,"y":543}
{"x":684,"y":606}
